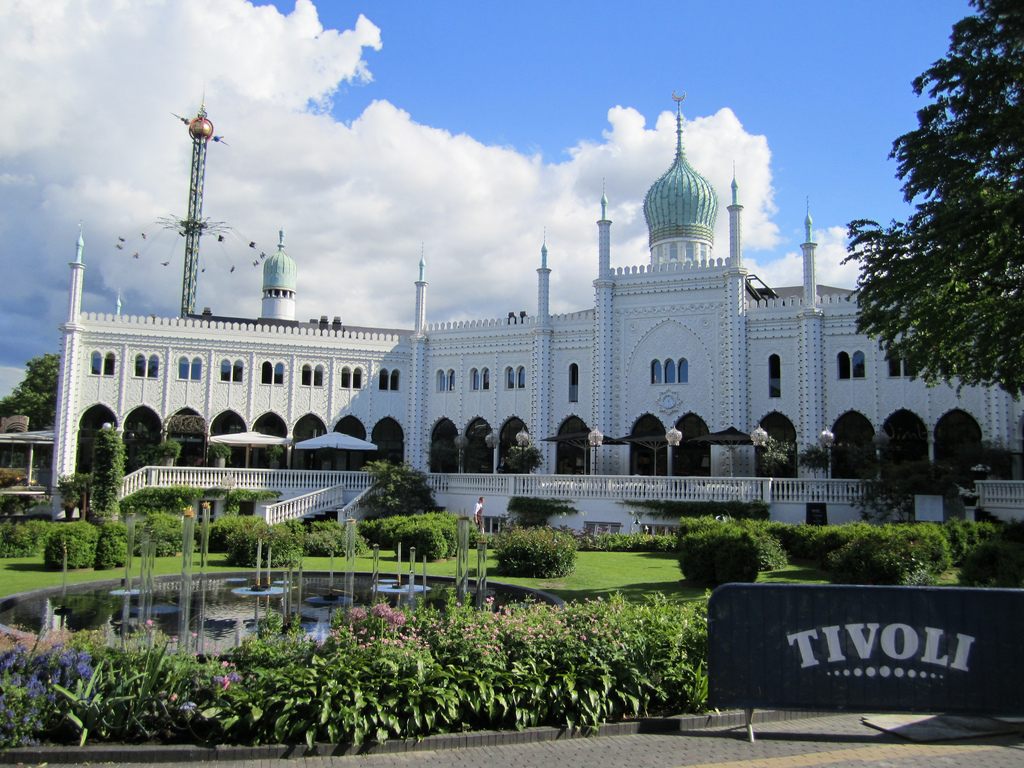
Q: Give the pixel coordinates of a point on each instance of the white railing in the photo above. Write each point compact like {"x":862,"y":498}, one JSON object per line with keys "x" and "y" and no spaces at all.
{"x":306,"y":504}
{"x":301,"y":480}
{"x":616,"y":487}
{"x":1000,"y":493}
{"x":800,"y":490}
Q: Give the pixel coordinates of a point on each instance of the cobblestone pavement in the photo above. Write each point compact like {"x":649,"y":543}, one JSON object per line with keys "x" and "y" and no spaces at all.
{"x":837,"y":741}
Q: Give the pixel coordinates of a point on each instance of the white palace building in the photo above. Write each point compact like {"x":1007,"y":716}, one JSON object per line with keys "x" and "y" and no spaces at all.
{"x":689,"y":340}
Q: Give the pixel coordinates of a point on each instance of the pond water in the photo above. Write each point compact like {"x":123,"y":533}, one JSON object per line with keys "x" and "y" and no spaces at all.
{"x":226,"y":607}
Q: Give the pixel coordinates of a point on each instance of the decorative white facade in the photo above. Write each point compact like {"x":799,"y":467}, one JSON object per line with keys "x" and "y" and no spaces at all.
{"x":688,"y":340}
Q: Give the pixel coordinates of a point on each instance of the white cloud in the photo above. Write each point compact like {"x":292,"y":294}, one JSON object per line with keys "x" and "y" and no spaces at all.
{"x":89,"y":137}
{"x":787,"y":270}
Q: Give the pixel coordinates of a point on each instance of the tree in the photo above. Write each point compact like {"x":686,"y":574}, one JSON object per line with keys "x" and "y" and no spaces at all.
{"x":944,"y":290}
{"x":36,"y":395}
{"x":523,"y":459}
{"x":107,"y":474}
{"x":397,"y":489}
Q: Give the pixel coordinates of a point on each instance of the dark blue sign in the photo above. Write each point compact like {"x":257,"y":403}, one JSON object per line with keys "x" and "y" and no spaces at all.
{"x":867,"y":649}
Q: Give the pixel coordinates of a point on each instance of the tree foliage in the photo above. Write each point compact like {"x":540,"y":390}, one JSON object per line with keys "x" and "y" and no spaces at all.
{"x":107,"y":474}
{"x":36,"y":395}
{"x":944,"y":290}
{"x":397,"y":489}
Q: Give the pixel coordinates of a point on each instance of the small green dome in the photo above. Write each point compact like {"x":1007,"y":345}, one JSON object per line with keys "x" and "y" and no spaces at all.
{"x":279,"y":271}
{"x":682,"y":203}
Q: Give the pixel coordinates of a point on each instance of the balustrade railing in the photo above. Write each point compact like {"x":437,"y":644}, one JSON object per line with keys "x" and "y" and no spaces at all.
{"x":306,"y":504}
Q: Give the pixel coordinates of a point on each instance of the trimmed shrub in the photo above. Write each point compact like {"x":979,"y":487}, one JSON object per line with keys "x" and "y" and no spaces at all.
{"x":223,"y":528}
{"x":770,"y":554}
{"x":799,"y":540}
{"x":111,"y":546}
{"x":719,"y":555}
{"x":171,"y":500}
{"x":164,"y":530}
{"x":964,"y":536}
{"x":284,"y":542}
{"x":829,"y":538}
{"x":626,"y":542}
{"x":892,"y":554}
{"x":994,"y":563}
{"x":539,"y":553}
{"x":327,"y":537}
{"x":24,"y":538}
{"x":80,"y":539}
{"x":433,"y":533}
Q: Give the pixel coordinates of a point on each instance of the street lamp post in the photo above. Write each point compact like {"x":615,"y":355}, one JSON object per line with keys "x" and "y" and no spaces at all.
{"x":881,"y":441}
{"x":595,"y":438}
{"x":673,"y":437}
{"x":492,"y":442}
{"x":826,"y":440}
{"x":461,"y":441}
{"x":759,"y":437}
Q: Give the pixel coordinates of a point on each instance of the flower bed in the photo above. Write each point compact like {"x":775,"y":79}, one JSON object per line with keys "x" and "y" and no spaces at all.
{"x":381,"y":674}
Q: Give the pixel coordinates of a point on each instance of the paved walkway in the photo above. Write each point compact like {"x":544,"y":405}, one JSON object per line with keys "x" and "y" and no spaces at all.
{"x":837,"y":741}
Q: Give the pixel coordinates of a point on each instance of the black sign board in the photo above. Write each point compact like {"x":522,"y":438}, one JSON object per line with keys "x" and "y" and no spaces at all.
{"x":867,"y":649}
{"x":817,"y":513}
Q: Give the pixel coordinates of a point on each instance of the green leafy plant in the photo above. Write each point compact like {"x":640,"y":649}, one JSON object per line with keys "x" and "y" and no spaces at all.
{"x":754,"y":510}
{"x":107,"y":474}
{"x":718,"y":554}
{"x":540,"y":553}
{"x":218,"y":451}
{"x":78,"y":540}
{"x":111,"y":546}
{"x":532,"y":512}
{"x":523,"y":459}
{"x":397,"y":489}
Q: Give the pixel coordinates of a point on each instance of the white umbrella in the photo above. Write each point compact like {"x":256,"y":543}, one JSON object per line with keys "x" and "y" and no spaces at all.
{"x":337,"y":440}
{"x":253,"y":439}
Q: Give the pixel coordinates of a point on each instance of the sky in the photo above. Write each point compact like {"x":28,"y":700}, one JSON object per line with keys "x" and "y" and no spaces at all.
{"x":465,"y":132}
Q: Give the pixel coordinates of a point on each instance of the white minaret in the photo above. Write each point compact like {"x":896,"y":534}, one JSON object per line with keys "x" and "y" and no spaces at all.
{"x":65,"y":433}
{"x":279,"y":279}
{"x":602,"y":377}
{"x":808,"y":247}
{"x":735,"y":230}
{"x":421,"y":298}
{"x":541,"y":392}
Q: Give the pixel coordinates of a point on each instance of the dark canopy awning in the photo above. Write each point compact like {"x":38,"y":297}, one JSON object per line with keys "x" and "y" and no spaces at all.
{"x":730,"y":436}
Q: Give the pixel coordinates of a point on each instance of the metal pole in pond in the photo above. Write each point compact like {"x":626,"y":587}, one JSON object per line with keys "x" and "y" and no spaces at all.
{"x":188,"y":539}
{"x":412,"y":575}
{"x":481,"y":573}
{"x":350,"y":561}
{"x":462,"y":558}
{"x":424,"y":576}
{"x":398,"y":565}
{"x":204,"y":537}
{"x":375,"y":578}
{"x":259,"y":560}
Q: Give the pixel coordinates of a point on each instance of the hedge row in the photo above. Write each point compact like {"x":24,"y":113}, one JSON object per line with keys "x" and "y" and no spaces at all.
{"x":432,"y":533}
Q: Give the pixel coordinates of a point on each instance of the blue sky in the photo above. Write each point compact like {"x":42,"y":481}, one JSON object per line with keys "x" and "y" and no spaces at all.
{"x":374,"y":131}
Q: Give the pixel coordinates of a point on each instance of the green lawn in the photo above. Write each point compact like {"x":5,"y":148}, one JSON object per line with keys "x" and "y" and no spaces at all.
{"x":597,"y":574}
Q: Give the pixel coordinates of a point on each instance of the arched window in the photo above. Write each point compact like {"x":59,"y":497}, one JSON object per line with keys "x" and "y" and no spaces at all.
{"x":108,"y":364}
{"x":521,"y":377}
{"x":673,"y":252}
{"x":306,"y":376}
{"x":140,"y":366}
{"x":574,"y":383}
{"x":153,"y":367}
{"x":266,"y":373}
{"x":357,"y":378}
{"x":96,"y":364}
{"x":656,"y":377}
{"x":774,"y":376}
{"x":318,"y":376}
{"x":394,"y":380}
{"x":237,"y":370}
{"x":442,"y":381}
{"x":858,"y":365}
{"x":843,"y":365}
{"x":485,"y":378}
{"x":183,"y":368}
{"x":510,"y":378}
{"x":197,"y":369}
{"x":670,"y":372}
{"x":279,"y":373}
{"x":683,"y":369}
{"x":225,"y":370}
{"x":346,"y":377}
{"x":451,"y":380}
{"x":382,"y":379}
{"x":474,"y":379}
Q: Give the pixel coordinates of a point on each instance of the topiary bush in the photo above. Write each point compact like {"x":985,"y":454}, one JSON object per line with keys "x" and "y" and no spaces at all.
{"x":223,"y":528}
{"x":539,"y":553}
{"x":163,"y":529}
{"x":770,"y":554}
{"x":327,"y":537}
{"x":718,"y":555}
{"x":994,"y":563}
{"x":24,"y":538}
{"x":111,"y":546}
{"x":80,"y":539}
{"x":433,"y":533}
{"x":892,"y":554}
{"x":963,"y":536}
{"x":284,"y":542}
